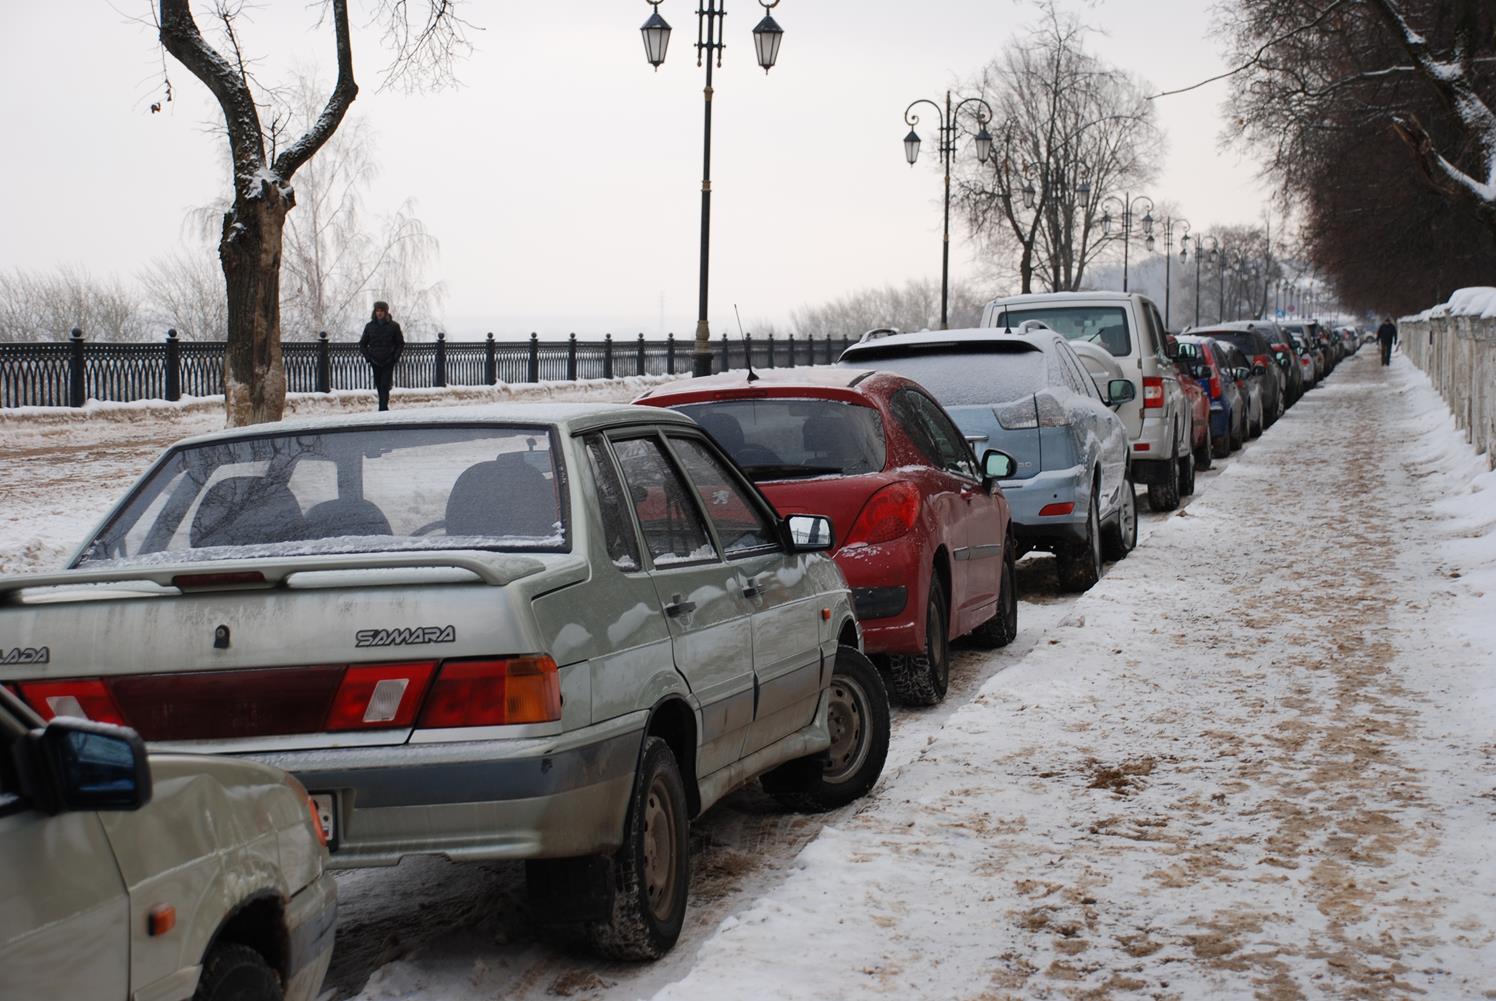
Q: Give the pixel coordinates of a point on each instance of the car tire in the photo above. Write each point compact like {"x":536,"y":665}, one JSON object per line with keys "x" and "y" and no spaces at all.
{"x":1255,"y":430}
{"x":1220,"y":448}
{"x":651,"y":871}
{"x":1165,"y":496}
{"x":857,"y":716}
{"x":920,"y":679}
{"x":1080,"y":563}
{"x":1239,"y":434}
{"x":1203,"y":453}
{"x":1187,"y":475}
{"x":1002,"y":628}
{"x":233,"y":972}
{"x":1121,"y":537}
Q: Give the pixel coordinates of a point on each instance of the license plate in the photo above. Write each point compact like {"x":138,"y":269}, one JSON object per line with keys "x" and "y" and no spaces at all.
{"x":327,"y":811}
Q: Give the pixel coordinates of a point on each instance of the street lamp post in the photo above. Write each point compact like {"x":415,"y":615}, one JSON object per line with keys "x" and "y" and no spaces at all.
{"x":1215,"y":249}
{"x":1184,"y":255}
{"x":766,"y":38}
{"x":947,"y":148}
{"x":1128,"y":207}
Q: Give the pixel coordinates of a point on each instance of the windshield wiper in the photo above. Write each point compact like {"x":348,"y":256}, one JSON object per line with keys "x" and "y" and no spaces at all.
{"x":786,"y":471}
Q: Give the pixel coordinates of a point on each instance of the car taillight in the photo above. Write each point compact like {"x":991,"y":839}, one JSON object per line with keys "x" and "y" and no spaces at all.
{"x":888,"y":514}
{"x":86,"y":698}
{"x":1215,"y":384}
{"x":1262,"y":360}
{"x":1153,"y":392}
{"x":493,"y":691}
{"x":379,"y":696}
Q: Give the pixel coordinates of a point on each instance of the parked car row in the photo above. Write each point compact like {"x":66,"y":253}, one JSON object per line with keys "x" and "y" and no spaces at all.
{"x":555,"y":633}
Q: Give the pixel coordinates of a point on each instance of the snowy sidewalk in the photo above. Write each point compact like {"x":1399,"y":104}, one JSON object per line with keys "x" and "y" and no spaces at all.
{"x":1259,"y":759}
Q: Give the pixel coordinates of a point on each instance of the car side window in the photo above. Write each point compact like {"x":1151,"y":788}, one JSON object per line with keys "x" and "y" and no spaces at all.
{"x":618,"y":526}
{"x":1084,"y":384}
{"x":740,"y":525}
{"x":934,"y":433}
{"x":1156,"y":322}
{"x":673,"y":530}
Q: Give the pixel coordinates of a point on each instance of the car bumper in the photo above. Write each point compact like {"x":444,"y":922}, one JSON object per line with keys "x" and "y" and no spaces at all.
{"x":1027,"y":497}
{"x":1220,"y":421}
{"x":311,"y":917}
{"x":887,"y":612}
{"x":517,"y":798}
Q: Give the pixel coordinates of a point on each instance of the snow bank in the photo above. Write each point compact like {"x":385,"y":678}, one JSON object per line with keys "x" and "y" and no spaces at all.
{"x":1479,"y":301}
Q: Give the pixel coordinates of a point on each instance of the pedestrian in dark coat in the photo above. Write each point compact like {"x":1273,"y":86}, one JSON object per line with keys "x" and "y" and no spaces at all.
{"x":381,"y":345}
{"x":1387,"y":336}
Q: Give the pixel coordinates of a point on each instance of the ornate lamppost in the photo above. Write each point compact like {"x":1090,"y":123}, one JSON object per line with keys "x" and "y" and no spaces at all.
{"x":1184,"y":253}
{"x":766,"y":38}
{"x":947,"y":148}
{"x":1200,"y":252}
{"x":1127,"y":207}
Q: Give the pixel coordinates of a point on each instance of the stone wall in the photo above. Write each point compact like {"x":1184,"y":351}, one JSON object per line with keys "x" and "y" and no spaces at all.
{"x":1456,"y":345}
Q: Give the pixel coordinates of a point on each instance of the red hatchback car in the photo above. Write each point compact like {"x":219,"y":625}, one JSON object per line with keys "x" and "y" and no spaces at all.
{"x":924,"y":533}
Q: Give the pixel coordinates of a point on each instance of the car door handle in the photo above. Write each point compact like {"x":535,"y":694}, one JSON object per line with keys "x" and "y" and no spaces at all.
{"x":753,"y":588}
{"x":679,"y":606}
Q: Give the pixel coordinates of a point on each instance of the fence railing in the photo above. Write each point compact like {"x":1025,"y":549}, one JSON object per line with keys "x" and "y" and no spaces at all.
{"x":1458,"y":352}
{"x":69,"y":373}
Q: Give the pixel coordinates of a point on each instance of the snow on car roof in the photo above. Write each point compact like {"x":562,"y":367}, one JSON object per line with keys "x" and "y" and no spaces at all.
{"x":981,"y":338}
{"x":570,"y":416}
{"x":1050,"y":297}
{"x":800,"y":377}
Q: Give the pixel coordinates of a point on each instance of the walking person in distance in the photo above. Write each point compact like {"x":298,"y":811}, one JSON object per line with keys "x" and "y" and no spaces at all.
{"x":381,"y":345}
{"x":1387,"y":337}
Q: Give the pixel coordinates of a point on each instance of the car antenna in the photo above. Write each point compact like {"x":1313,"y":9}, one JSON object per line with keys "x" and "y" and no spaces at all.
{"x":747,"y":348}
{"x":1007,"y":323}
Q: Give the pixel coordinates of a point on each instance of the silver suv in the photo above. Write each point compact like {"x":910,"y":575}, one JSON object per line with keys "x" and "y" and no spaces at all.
{"x":173,"y":877}
{"x":1129,"y":327}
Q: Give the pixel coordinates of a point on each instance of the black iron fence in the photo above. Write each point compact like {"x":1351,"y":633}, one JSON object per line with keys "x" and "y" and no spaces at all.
{"x":69,"y":373}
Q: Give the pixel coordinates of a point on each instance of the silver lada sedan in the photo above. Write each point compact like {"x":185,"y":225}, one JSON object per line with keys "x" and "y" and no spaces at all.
{"x":542,"y":632}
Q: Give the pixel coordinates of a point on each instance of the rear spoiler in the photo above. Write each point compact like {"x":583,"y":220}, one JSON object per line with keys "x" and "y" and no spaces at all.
{"x":496,"y":570}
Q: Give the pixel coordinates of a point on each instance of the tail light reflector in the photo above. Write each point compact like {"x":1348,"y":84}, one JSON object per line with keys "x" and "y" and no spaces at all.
{"x":1153,"y":392}
{"x":86,"y":698}
{"x":1056,"y":510}
{"x":380,"y":696}
{"x":311,"y":806}
{"x":888,"y":514}
{"x":494,"y":692}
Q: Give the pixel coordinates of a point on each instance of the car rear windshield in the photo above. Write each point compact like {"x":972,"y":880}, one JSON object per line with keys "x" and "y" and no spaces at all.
{"x":1104,"y":325}
{"x":401,"y":488}
{"x":965,"y":374}
{"x":1246,"y":342}
{"x":781,"y":438}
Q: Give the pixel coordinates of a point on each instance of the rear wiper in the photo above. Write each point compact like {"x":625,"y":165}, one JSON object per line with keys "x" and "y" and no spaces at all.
{"x":786,"y":471}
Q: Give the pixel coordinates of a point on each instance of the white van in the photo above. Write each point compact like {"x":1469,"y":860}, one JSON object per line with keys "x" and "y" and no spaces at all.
{"x":1128,"y":326}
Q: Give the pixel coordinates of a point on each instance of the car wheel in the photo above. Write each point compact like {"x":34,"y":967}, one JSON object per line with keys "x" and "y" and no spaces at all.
{"x":1187,"y":474}
{"x":234,"y":972}
{"x":1002,"y":628}
{"x":1239,"y":434}
{"x":651,"y":870}
{"x":857,"y":716}
{"x":1204,"y":453}
{"x":1165,"y":496}
{"x":920,"y":679}
{"x":1080,"y":563}
{"x":1255,"y":429}
{"x":1121,"y":538}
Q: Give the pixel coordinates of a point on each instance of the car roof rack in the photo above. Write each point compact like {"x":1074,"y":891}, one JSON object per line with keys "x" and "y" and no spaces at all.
{"x":877,"y":332}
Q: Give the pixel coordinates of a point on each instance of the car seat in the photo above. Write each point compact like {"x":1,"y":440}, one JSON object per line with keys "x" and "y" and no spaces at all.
{"x":246,"y":511}
{"x":346,"y":516}
{"x":504,"y":497}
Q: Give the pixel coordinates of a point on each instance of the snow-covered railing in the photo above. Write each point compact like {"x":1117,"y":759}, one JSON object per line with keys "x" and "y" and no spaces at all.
{"x":1455,"y":343}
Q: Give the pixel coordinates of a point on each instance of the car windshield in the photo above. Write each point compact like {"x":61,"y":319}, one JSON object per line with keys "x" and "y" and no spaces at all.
{"x":1104,"y":325}
{"x":1244,"y":342}
{"x":965,"y":374}
{"x":414,"y":487}
{"x":779,"y":438}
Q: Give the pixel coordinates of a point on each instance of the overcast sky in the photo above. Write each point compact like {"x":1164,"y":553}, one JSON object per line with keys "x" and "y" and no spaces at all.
{"x":563,"y":178}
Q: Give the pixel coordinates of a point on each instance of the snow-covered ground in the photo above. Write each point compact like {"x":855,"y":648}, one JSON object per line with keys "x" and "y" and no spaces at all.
{"x":1258,"y":759}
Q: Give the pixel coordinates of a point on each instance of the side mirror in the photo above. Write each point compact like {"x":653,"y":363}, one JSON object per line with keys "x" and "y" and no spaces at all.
{"x":809,"y":533}
{"x":1259,"y":370}
{"x":1171,"y":346}
{"x":78,"y":764}
{"x":998,"y":465}
{"x":1120,"y":391}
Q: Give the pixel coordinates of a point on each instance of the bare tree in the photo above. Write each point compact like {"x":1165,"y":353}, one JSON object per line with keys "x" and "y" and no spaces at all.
{"x":1069,"y":130}
{"x":1421,"y":69}
{"x":912,"y":306}
{"x":252,"y":234}
{"x":184,"y":292}
{"x":43,"y":307}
